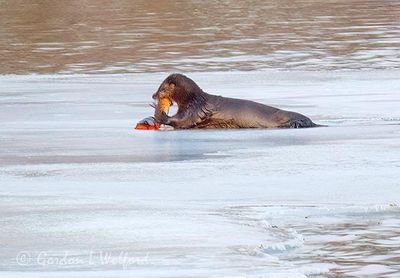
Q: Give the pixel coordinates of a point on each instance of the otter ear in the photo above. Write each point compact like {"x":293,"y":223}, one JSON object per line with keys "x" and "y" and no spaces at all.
{"x":171,"y":86}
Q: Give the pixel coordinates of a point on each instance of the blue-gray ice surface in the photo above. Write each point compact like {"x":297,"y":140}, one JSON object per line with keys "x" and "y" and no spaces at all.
{"x":83,"y":194}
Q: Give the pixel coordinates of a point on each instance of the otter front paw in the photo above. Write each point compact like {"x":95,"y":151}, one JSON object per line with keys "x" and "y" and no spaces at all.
{"x":158,"y":115}
{"x":162,"y":118}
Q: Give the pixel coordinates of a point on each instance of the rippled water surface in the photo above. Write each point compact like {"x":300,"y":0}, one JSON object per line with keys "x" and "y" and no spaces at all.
{"x":351,"y":241}
{"x":142,"y":36}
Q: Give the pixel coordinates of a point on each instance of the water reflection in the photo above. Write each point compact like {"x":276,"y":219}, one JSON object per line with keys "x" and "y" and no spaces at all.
{"x":142,"y":36}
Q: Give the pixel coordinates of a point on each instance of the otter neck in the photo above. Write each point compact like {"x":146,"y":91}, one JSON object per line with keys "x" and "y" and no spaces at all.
{"x":193,"y":101}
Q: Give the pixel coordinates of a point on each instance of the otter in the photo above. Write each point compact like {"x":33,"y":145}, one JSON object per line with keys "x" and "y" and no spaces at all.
{"x":198,"y":109}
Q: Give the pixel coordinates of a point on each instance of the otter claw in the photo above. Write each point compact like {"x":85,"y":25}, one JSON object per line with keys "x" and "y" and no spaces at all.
{"x":164,"y":118}
{"x":161,"y":117}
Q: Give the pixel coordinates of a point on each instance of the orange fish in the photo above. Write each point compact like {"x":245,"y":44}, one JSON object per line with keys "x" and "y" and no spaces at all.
{"x":148,"y":123}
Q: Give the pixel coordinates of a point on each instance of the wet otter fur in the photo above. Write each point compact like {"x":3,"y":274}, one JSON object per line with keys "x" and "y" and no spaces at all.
{"x":198,"y":109}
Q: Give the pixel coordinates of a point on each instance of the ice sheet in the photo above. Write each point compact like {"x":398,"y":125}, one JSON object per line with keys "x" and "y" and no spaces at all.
{"x":82,"y":192}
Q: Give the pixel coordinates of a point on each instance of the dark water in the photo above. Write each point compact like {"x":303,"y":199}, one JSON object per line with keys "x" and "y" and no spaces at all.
{"x":153,"y":36}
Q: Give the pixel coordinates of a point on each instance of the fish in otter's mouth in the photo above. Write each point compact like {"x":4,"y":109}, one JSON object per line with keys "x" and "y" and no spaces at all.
{"x":163,"y":105}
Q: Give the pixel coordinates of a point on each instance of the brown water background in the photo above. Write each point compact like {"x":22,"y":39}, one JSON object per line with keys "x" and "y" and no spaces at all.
{"x":90,"y":36}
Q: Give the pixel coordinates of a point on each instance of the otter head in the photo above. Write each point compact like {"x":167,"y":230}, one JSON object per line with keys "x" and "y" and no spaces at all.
{"x":179,"y":89}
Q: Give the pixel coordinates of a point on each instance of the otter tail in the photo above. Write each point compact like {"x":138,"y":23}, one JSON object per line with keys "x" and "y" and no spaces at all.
{"x":303,"y":123}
